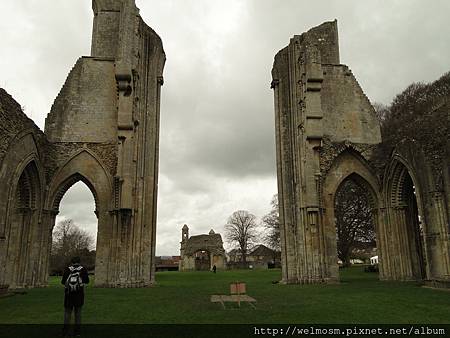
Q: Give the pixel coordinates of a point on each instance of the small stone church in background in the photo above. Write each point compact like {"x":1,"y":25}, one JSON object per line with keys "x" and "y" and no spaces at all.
{"x":201,"y":252}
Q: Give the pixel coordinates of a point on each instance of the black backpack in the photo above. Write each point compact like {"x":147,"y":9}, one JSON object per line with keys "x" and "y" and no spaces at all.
{"x":74,"y":282}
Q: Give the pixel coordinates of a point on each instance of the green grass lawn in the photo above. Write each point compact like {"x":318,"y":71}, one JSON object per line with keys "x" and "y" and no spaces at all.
{"x":184,"y":297}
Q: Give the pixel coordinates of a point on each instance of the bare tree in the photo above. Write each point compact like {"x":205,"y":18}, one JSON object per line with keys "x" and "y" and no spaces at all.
{"x":381,"y":111}
{"x":354,"y":223}
{"x":271,"y":222}
{"x":68,"y":241}
{"x":241,"y":229}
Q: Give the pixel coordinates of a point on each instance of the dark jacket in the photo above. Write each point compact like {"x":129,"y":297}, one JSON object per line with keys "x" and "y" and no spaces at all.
{"x":74,"y":298}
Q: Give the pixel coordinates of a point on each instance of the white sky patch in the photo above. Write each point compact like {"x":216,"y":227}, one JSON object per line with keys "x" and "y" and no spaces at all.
{"x":205,"y":211}
{"x":78,"y":204}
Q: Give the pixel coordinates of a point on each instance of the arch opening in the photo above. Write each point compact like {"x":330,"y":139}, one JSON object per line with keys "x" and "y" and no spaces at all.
{"x":351,"y":167}
{"x":76,"y":226}
{"x":356,"y":239}
{"x":22,"y":257}
{"x":68,"y":184}
{"x":202,"y":260}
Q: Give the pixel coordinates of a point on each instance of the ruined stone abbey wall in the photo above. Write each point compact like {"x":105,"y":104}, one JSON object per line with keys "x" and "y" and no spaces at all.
{"x":22,"y":182}
{"x":103,"y":130}
{"x":327,"y":132}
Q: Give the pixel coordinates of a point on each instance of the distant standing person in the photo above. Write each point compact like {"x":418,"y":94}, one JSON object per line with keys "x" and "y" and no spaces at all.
{"x":74,"y":278}
{"x":214,"y":268}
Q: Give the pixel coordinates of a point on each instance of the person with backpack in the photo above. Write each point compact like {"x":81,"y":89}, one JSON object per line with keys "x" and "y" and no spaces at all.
{"x":74,"y":278}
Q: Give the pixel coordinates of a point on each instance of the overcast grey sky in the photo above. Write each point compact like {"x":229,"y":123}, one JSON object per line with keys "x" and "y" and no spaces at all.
{"x":217,"y":151}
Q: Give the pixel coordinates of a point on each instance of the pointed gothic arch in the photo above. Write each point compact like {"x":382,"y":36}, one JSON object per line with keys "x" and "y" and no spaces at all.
{"x":407,"y":224}
{"x":347,"y":165}
{"x":23,"y":225}
{"x":84,"y":166}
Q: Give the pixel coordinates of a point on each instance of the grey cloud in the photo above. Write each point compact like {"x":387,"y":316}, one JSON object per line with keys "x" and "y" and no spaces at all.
{"x":48,"y":37}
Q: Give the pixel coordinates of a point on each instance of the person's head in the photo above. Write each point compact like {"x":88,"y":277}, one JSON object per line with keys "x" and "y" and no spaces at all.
{"x":75,"y":260}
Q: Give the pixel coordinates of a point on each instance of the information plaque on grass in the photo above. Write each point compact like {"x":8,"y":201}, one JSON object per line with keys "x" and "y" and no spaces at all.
{"x":238,"y":288}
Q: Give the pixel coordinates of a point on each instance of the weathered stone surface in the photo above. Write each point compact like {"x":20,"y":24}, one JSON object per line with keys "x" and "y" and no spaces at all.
{"x":327,"y":132}
{"x":103,"y":129}
{"x":86,"y":107}
{"x":12,"y":122}
{"x":331,"y":150}
{"x":57,"y":154}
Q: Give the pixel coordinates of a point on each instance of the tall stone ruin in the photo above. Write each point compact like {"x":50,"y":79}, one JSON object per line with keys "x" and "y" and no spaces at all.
{"x":103,"y":130}
{"x":326,"y":133}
